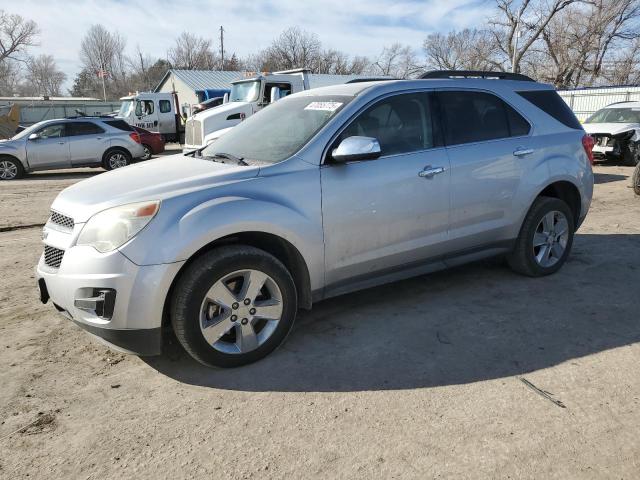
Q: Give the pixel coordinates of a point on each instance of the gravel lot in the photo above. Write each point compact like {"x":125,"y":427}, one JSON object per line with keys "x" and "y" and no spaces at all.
{"x":424,"y":378}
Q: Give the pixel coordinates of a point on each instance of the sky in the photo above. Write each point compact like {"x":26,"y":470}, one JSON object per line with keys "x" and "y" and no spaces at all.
{"x":357,"y":27}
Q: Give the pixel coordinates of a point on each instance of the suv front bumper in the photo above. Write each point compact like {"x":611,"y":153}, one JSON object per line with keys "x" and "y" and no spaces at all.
{"x":109,"y":296}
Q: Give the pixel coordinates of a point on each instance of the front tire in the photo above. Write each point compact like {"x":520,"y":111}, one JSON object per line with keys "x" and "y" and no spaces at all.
{"x":631,"y":155}
{"x":545,"y":238}
{"x":635,"y":180}
{"x":116,"y":159}
{"x":233,"y":306}
{"x":10,"y":169}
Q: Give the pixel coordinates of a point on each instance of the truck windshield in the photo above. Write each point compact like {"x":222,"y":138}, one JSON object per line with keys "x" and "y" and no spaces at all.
{"x":125,"y":108}
{"x":245,"y":91}
{"x":276,"y":133}
{"x":615,"y":115}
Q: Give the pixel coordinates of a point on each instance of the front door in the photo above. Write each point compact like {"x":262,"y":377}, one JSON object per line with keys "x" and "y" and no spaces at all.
{"x":384,"y":215}
{"x":146,"y":115}
{"x":50,"y":149}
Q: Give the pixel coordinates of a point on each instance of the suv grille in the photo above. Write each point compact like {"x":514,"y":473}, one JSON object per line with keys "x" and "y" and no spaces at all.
{"x":62,"y":220}
{"x":53,"y":256}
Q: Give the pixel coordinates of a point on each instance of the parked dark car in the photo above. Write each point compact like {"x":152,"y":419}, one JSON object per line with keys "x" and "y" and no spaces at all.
{"x":152,"y":142}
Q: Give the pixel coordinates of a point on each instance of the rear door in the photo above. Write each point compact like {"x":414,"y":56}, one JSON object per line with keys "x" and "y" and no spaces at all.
{"x":489,"y":148}
{"x":87,"y":143}
{"x":50,"y":149}
{"x":382,"y":216}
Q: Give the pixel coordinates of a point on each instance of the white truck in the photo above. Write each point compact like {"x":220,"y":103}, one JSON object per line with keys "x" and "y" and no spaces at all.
{"x":154,"y":111}
{"x":248,"y":97}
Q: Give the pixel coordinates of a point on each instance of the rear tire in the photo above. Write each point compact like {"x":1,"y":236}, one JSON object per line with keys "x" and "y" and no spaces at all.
{"x":116,"y":158}
{"x":148,"y":153}
{"x":217,"y":315}
{"x":10,"y":168}
{"x":545,"y":238}
{"x":635,"y":180}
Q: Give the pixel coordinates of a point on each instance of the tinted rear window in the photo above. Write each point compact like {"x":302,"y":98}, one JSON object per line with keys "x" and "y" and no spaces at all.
{"x":119,"y":124}
{"x":83,"y":128}
{"x":472,"y":116}
{"x":550,"y":102}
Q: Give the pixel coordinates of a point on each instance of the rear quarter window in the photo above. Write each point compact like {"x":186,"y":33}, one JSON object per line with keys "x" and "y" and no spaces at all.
{"x":550,"y":102}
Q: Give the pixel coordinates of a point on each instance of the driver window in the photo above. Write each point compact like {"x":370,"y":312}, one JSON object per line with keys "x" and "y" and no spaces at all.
{"x":402,"y":124}
{"x":144,"y":107}
{"x":52,"y":131}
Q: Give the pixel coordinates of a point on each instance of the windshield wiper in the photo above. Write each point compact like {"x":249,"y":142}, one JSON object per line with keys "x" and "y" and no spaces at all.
{"x":228,"y":156}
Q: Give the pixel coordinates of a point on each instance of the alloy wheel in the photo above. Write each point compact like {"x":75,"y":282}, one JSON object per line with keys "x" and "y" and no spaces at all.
{"x":8,"y":170}
{"x":551,"y":238}
{"x":117,"y":160}
{"x":241,"y":311}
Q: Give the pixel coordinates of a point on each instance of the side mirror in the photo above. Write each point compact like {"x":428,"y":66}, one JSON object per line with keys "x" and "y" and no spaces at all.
{"x":275,"y":94}
{"x":225,"y":99}
{"x":34,"y":136}
{"x":357,"y":148}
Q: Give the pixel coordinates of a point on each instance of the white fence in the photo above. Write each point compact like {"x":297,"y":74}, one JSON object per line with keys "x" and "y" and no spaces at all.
{"x":585,"y":101}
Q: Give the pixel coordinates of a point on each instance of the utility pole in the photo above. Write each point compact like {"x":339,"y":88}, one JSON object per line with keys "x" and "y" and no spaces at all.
{"x":102,"y":75}
{"x":516,"y":37}
{"x":222,"y":46}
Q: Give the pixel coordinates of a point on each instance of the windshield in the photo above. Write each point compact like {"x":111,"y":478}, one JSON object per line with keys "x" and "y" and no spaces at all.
{"x":280,"y":130}
{"x":245,"y":91}
{"x":125,"y":108}
{"x":615,"y":115}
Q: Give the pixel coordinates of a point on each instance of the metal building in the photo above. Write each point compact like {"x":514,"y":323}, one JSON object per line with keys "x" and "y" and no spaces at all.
{"x":36,"y":109}
{"x":191,"y":85}
{"x":586,"y":101}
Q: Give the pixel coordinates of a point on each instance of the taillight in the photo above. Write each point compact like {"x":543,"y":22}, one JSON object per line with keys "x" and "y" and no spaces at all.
{"x":135,"y":136}
{"x":588,"y":142}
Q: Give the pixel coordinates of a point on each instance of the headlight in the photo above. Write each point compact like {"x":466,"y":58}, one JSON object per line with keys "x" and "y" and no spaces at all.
{"x":109,"y":229}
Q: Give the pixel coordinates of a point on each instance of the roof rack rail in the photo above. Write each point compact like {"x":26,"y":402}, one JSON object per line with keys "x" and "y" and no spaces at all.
{"x":87,"y":116}
{"x":371,"y":79}
{"x":475,"y":74}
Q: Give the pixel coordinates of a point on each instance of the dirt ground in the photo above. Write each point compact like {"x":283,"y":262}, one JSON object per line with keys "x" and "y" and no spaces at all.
{"x":424,"y":378}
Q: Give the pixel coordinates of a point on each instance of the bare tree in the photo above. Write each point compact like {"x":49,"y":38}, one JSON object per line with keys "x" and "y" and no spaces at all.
{"x":16,"y":34}
{"x":192,"y":53}
{"x":519,"y":24}
{"x":468,"y":49}
{"x":293,"y":48}
{"x":397,"y":60}
{"x":583,"y":53}
{"x":339,"y":63}
{"x":10,"y":77}
{"x":103,"y":51}
{"x":43,"y":76}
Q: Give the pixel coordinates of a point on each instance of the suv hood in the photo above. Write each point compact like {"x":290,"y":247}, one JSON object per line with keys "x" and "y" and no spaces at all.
{"x":153,"y":180}
{"x":610,"y":128}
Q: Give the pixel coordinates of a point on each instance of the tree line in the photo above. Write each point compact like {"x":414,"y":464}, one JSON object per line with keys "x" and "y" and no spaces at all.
{"x":569,"y":43}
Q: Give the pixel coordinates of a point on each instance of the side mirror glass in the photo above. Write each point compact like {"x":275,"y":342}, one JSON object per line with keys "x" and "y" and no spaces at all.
{"x":34,"y":136}
{"x":225,"y":99}
{"x":357,"y":148}
{"x":275,"y":94}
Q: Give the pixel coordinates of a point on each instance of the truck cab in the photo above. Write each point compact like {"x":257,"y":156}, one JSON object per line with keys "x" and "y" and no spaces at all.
{"x":247,"y":97}
{"x":155,"y":112}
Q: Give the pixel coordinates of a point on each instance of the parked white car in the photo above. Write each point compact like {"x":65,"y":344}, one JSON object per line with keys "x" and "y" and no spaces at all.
{"x":616,"y":131}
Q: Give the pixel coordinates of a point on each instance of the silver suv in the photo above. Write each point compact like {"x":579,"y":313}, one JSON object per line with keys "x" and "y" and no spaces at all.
{"x":325,"y":192}
{"x":67,"y":143}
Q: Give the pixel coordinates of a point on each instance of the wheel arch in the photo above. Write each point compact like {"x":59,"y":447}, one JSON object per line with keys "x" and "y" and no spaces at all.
{"x":566,"y":191}
{"x":273,"y":244}
{"x":115,"y":148}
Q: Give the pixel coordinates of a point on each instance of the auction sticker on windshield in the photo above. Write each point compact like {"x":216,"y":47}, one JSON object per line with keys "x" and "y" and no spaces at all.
{"x":324,"y":106}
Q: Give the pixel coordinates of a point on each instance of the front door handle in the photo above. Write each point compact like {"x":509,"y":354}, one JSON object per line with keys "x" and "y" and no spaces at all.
{"x":60,"y":143}
{"x":430,"y":172}
{"x":520,"y":152}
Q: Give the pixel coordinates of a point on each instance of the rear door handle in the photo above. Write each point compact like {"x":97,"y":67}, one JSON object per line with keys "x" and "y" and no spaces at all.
{"x":430,"y":172}
{"x":520,"y":152}
{"x":61,"y":143}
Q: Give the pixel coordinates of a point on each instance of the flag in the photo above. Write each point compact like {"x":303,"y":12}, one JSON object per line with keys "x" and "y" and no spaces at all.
{"x":102,"y":73}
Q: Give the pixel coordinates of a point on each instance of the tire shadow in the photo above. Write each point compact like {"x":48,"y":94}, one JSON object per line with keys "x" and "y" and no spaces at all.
{"x":469,"y":324}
